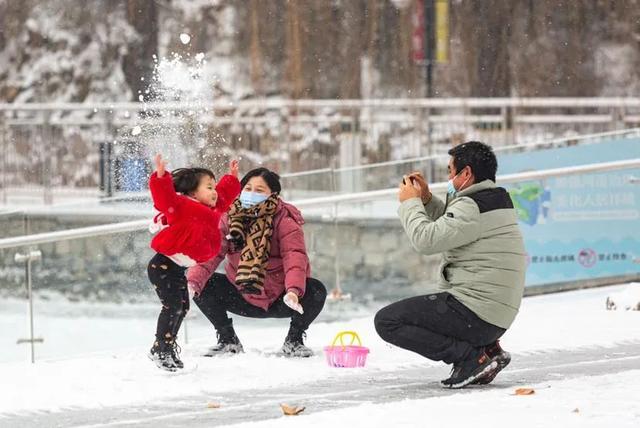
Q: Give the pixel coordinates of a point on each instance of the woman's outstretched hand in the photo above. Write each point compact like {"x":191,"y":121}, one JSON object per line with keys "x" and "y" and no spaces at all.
{"x":291,"y":299}
{"x":160,"y":165}
{"x":233,"y":167}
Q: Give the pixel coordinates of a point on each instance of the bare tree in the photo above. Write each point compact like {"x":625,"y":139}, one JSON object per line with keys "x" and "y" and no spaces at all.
{"x":138,"y":64}
{"x":485,"y":29}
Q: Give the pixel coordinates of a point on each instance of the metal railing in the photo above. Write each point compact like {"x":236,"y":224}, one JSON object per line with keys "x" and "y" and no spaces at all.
{"x":333,"y":180}
{"x":50,"y":151}
{"x":327,"y":181}
{"x":130,"y":226}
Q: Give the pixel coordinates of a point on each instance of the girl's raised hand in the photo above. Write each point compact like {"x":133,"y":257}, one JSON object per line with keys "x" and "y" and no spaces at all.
{"x":233,"y":168}
{"x":160,"y":165}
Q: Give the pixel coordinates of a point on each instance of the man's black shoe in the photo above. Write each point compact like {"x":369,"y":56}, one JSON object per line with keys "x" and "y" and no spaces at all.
{"x":502,"y":357}
{"x":468,"y":371}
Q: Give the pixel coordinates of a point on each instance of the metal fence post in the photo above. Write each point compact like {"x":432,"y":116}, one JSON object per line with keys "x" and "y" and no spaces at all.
{"x":28,"y":258}
{"x":337,"y":290}
{"x":46,"y":138}
{"x":108,"y":151}
{"x":617,"y":118}
{"x":286,"y":141}
{"x":4,"y":153}
{"x":430,"y":146}
{"x":504,"y":125}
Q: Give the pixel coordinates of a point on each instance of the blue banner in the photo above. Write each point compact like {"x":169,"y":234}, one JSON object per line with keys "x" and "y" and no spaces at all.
{"x":581,"y":226}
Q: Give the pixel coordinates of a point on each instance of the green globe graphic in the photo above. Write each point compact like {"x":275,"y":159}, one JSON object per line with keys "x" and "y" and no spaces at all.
{"x":531,"y":201}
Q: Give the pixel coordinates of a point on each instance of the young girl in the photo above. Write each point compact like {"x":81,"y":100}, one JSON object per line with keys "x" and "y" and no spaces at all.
{"x":191,"y":236}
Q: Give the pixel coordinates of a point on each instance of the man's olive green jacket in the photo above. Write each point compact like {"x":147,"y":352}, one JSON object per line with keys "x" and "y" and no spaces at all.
{"x":483,"y":254}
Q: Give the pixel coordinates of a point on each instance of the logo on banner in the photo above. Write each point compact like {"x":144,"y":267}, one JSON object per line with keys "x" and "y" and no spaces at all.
{"x":587,"y":257}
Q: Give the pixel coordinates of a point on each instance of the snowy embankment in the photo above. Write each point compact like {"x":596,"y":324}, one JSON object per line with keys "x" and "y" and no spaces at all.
{"x":124,"y":376}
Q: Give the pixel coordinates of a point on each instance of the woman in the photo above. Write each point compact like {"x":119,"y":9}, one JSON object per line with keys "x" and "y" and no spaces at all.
{"x":267,"y":274}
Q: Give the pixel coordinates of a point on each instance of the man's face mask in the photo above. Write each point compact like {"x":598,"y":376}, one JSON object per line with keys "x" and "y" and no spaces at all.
{"x":451,"y":188}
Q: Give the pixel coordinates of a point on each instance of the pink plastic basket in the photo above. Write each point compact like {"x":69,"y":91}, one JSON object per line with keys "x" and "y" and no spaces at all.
{"x":346,"y":355}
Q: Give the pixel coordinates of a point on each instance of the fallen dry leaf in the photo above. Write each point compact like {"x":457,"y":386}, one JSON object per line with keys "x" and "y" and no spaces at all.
{"x":213,"y":405}
{"x":576,"y":410}
{"x":525,"y":391}
{"x":291,"y":410}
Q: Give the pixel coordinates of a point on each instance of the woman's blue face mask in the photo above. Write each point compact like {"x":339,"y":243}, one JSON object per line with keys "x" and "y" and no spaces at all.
{"x":249,"y":199}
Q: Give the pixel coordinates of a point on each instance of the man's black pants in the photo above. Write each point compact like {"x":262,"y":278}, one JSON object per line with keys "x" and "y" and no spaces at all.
{"x":436,"y":326}
{"x":170,"y":285}
{"x":220,"y":296}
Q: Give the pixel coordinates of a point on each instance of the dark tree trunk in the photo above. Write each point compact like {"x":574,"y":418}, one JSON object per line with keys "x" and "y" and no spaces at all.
{"x":138,"y":64}
{"x":487,"y":46}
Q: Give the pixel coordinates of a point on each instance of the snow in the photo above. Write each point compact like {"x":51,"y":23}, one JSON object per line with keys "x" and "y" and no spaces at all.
{"x":94,"y":355}
{"x":626,"y":299}
{"x":68,"y":64}
{"x":594,"y":401}
{"x":192,"y":9}
{"x":180,"y":79}
{"x":614,"y":65}
{"x":185,"y":38}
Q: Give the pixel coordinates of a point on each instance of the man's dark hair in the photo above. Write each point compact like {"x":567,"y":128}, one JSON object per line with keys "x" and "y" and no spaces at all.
{"x":186,"y":180}
{"x":271,"y":178}
{"x":478,"y":156}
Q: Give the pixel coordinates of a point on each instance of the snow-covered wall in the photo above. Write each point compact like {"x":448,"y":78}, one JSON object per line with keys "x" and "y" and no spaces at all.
{"x":373,"y":260}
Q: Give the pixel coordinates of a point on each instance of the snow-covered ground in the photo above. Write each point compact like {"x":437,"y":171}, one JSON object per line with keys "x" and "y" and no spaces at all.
{"x":94,"y":357}
{"x":592,"y":401}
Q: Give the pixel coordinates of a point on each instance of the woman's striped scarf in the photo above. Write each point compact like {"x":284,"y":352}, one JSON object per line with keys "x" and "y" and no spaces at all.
{"x":255,"y":226}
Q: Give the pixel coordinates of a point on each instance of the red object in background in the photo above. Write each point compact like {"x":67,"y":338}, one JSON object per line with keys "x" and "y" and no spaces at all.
{"x":417,"y":33}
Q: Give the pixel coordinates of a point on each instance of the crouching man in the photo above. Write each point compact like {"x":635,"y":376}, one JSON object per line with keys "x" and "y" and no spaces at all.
{"x":482,"y":272}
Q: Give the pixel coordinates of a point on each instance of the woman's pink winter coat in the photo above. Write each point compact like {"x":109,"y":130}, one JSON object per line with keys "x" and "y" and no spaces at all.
{"x":288,"y":267}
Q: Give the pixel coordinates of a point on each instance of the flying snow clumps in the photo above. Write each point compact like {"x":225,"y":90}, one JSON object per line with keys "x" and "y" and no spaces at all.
{"x":136,"y":130}
{"x":185,"y":38}
{"x":627,"y":299}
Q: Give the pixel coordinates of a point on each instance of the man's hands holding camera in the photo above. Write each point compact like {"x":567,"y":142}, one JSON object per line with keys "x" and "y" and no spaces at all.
{"x":414,"y":185}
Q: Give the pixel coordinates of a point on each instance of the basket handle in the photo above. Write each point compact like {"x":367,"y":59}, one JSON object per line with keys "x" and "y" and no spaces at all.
{"x":340,"y":336}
